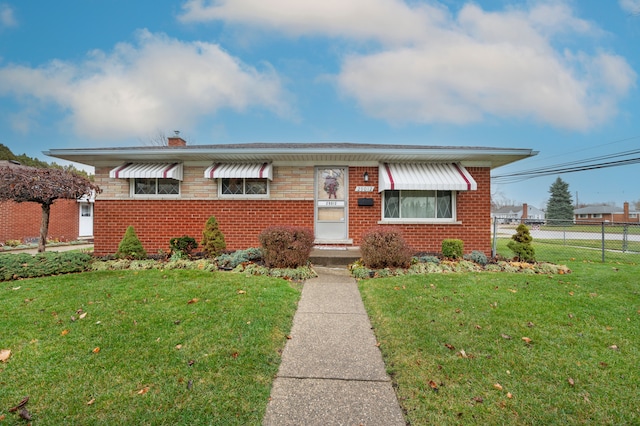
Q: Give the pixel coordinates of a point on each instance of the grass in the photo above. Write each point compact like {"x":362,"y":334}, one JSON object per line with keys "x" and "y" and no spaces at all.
{"x":451,"y":332}
{"x":161,"y":359}
{"x":555,"y":252}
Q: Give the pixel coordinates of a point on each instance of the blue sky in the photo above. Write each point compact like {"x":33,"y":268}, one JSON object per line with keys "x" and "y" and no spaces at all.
{"x":560,"y":77}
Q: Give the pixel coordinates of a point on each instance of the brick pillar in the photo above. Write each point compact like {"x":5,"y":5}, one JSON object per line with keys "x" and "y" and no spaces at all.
{"x":525,"y":211}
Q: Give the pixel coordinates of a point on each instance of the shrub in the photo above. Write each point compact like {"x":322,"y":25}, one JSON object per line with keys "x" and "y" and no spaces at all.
{"x":452,"y":249}
{"x":520,"y":244}
{"x":213,"y":241}
{"x":182,"y":245}
{"x":478,"y":257}
{"x":231,"y":260}
{"x":286,"y":246}
{"x":130,"y":246}
{"x":428,"y":259}
{"x":14,"y":266}
{"x":384,"y":248}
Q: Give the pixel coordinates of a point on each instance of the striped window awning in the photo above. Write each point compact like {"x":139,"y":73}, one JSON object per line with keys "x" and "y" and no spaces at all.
{"x":148,"y":170}
{"x":425,"y":176}
{"x":239,"y":170}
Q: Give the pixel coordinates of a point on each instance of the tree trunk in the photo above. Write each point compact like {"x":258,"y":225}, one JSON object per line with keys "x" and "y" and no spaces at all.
{"x":44,"y":227}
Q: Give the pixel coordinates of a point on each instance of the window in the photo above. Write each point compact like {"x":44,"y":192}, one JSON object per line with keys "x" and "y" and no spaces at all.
{"x":153,"y":186}
{"x":243,"y":186}
{"x":583,"y":216}
{"x":438,"y":205}
{"x":596,"y":215}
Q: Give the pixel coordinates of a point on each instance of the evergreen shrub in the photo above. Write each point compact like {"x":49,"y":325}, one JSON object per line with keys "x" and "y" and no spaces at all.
{"x":452,"y":248}
{"x":384,"y":248}
{"x":286,"y":246}
{"x":182,"y":246}
{"x":520,"y":244}
{"x":130,"y":246}
{"x":213,"y":242}
{"x":23,"y":265}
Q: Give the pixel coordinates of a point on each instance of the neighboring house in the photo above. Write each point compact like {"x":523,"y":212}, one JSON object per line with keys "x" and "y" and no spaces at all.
{"x":69,"y":220}
{"x":339,"y":190}
{"x":525,"y":213}
{"x":593,"y":214}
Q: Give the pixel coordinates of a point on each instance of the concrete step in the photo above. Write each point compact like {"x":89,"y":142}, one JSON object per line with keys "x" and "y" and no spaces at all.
{"x":334,"y":256}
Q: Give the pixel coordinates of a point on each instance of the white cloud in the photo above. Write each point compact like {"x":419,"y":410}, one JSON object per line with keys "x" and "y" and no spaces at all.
{"x":7,"y":17}
{"x":137,"y":89}
{"x":630,"y":6}
{"x":432,"y":66}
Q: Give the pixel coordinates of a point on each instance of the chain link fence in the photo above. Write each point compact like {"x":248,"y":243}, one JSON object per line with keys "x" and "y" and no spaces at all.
{"x":557,"y":240}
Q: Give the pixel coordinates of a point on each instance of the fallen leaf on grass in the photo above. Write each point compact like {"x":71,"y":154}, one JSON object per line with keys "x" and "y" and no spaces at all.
{"x":513,"y":291}
{"x":2,"y":417}
{"x":96,"y":350}
{"x":497,"y":386}
{"x":234,"y":355}
{"x":603,"y":364}
{"x":91,"y":401}
{"x":509,"y":395}
{"x":64,"y":332}
{"x":449,"y":346}
{"x":288,"y":336}
{"x":477,"y":399}
{"x":530,"y":324}
{"x":478,"y":327}
{"x":242,"y":292}
{"x":463,"y":354}
{"x":192,"y":301}
{"x":571,"y":381}
{"x":143,"y":390}
{"x":82,"y":315}
{"x":527,"y":340}
{"x":5,"y":354}
{"x":178,"y":347}
{"x":506,"y":336}
{"x":614,"y":348}
{"x":20,"y":405}
{"x":433,"y":385}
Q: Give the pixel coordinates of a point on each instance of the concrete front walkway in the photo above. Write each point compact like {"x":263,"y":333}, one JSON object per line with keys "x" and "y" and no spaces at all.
{"x":332,"y":371}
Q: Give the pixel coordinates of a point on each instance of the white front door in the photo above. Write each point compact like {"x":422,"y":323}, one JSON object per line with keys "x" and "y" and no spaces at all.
{"x":331,"y":204}
{"x":85,"y":226}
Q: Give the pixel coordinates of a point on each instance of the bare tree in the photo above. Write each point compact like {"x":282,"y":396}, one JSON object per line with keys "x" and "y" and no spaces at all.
{"x":159,"y":138}
{"x":42,"y":186}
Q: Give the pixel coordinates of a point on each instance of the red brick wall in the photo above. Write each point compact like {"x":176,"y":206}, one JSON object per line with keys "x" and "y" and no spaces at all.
{"x":22,"y":220}
{"x":473,"y":211}
{"x":157,"y":221}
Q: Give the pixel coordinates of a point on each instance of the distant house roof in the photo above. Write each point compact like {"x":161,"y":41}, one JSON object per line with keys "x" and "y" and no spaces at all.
{"x":517,"y":210}
{"x":602,"y":210}
{"x":296,"y":152}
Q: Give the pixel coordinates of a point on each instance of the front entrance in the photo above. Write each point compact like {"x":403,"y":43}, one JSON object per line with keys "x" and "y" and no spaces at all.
{"x":331,"y":205}
{"x":85,"y":226}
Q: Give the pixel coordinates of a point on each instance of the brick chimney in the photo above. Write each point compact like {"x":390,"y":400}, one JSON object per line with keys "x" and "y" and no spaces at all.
{"x":525,"y":211}
{"x":176,"y":140}
{"x":625,"y":218}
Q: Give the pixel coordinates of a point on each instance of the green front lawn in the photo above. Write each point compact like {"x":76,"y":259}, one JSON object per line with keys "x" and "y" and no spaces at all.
{"x":155,"y":347}
{"x":454,"y":344}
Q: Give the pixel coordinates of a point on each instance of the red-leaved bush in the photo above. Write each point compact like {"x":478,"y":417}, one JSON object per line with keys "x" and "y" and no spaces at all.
{"x":286,"y":246}
{"x":384,"y":248}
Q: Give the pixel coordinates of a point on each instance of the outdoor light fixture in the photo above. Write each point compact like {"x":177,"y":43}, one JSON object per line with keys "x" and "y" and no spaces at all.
{"x":365,"y":177}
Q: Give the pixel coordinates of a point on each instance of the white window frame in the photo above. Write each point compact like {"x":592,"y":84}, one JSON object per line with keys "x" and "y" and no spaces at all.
{"x":596,"y":215}
{"x":132,"y":190}
{"x":452,"y":219}
{"x":583,"y":216}
{"x":244,"y":195}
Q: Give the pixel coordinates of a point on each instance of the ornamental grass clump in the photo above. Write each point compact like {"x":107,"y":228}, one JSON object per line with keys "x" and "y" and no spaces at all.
{"x":286,"y":246}
{"x":384,"y":248}
{"x":130,"y":246}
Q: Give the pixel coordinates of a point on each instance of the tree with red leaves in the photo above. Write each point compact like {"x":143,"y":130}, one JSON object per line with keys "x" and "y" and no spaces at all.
{"x":43,"y":186}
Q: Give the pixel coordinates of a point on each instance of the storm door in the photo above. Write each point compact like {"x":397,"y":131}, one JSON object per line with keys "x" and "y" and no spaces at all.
{"x":331,"y":204}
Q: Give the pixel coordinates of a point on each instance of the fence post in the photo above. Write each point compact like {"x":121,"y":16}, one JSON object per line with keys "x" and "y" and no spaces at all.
{"x":625,"y":238}
{"x":494,"y":246}
{"x":602,"y":242}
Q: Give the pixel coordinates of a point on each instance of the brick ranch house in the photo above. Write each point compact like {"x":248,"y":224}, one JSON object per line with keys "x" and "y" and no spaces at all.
{"x":69,"y":220}
{"x":597,"y":214}
{"x":339,"y":190}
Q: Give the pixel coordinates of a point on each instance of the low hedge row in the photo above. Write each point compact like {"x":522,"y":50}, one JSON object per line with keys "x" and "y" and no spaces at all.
{"x":23,"y":265}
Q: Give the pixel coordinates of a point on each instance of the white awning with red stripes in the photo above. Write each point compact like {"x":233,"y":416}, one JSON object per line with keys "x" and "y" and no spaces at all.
{"x":148,"y":170}
{"x":239,"y":170}
{"x":425,"y":176}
